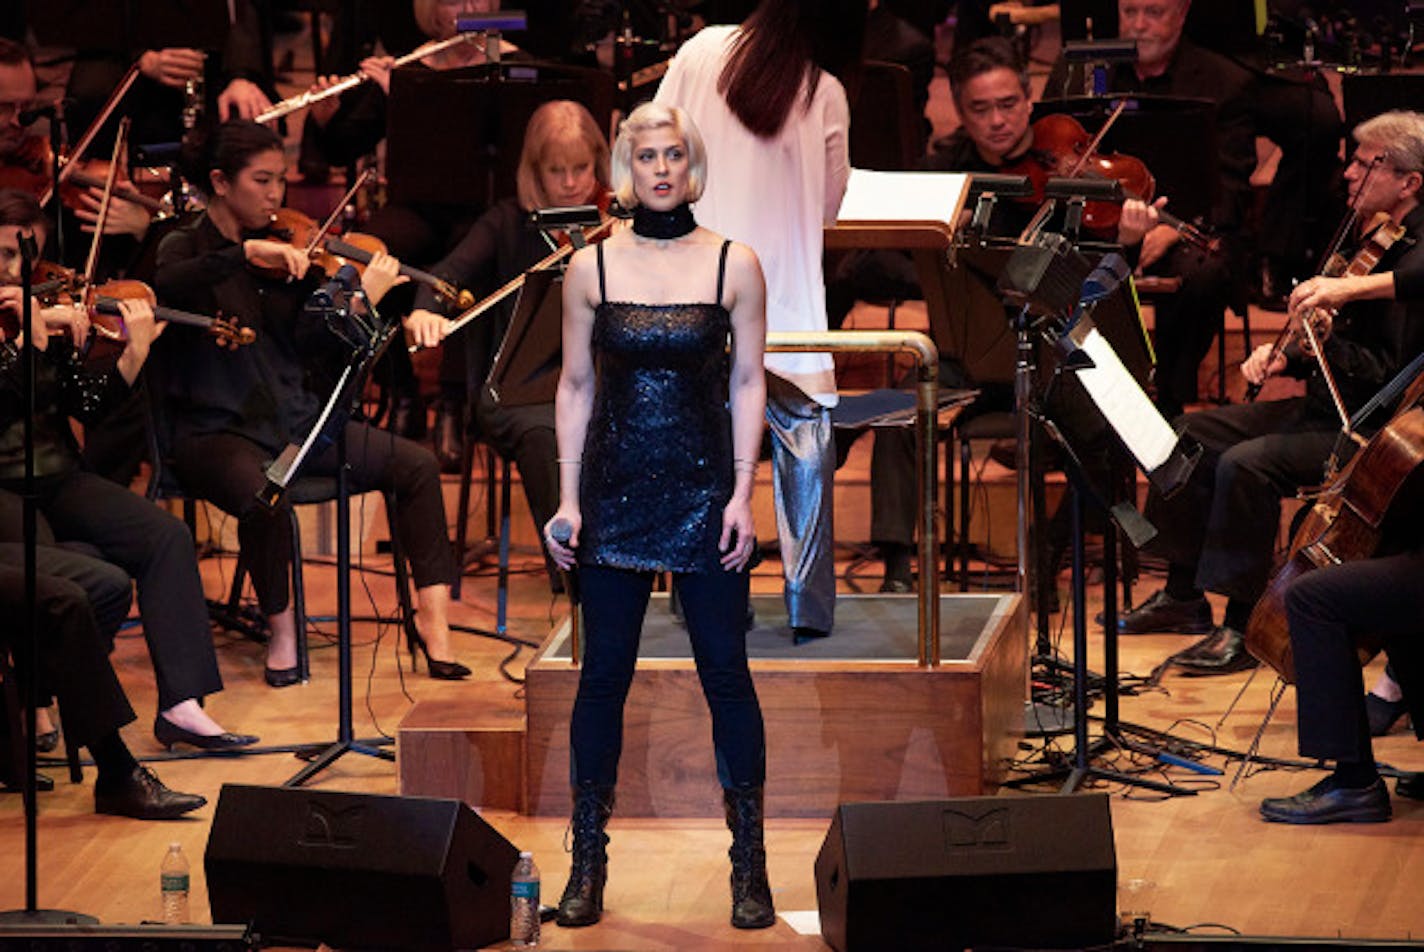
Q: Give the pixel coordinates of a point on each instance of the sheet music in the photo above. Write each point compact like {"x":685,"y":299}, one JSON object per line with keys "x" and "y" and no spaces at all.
{"x":1143,"y":430}
{"x":904,"y":196}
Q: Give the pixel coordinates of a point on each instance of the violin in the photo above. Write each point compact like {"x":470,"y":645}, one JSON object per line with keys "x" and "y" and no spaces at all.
{"x":330,"y":252}
{"x":1062,"y":148}
{"x":1381,"y":236}
{"x":29,"y":169}
{"x":54,"y":285}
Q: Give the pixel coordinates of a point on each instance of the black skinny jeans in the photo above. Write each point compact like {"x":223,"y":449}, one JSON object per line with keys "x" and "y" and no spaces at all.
{"x":1327,"y":608}
{"x":715,"y":607}
{"x":229,"y":470}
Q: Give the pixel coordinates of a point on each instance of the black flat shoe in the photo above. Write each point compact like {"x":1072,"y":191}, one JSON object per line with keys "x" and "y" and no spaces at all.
{"x":168,"y":733}
{"x":46,"y":743}
{"x":9,"y":784}
{"x":282,"y":677}
{"x":1327,"y":802}
{"x":141,"y":795}
{"x":1382,"y":714}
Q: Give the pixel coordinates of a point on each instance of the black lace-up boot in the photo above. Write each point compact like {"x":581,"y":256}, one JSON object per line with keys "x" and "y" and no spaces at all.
{"x":582,"y":901}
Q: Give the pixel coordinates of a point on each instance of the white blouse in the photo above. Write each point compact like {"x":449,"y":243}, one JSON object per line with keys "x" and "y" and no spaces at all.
{"x":774,"y":195}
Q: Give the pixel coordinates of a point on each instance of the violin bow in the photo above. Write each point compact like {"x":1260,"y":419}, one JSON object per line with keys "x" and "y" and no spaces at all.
{"x":330,"y":220}
{"x":1098,"y":138}
{"x":120,"y":143}
{"x":82,"y":146}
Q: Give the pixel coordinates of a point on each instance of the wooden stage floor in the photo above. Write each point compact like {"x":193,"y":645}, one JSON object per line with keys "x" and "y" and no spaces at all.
{"x":1211,"y":858}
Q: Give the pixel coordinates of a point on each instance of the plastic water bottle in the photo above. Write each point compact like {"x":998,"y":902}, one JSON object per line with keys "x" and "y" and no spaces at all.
{"x":173,"y":881}
{"x":524,"y":904}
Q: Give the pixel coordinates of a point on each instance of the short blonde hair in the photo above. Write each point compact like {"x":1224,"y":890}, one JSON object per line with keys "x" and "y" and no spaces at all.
{"x":653,"y":115}
{"x":558,"y":123}
{"x":1399,"y":136}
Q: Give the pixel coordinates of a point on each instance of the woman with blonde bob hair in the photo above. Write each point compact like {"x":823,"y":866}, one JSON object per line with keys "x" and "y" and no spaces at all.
{"x":649,"y":116}
{"x":659,"y":428}
{"x":557,"y":132}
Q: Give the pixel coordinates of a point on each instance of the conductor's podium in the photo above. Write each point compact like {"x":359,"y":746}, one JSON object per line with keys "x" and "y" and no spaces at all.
{"x":851,"y":717}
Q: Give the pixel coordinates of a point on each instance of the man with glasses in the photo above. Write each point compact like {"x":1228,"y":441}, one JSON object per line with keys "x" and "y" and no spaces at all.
{"x":17,"y":93}
{"x":1219,"y":532}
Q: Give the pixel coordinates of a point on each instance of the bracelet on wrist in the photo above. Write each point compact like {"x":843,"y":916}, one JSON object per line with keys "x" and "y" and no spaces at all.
{"x":569,"y":461}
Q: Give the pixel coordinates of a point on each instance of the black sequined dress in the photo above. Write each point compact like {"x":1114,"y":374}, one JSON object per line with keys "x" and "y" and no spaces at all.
{"x":657,"y":461}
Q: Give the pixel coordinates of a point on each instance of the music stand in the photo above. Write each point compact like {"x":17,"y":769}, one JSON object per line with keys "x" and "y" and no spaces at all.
{"x":479,"y":115}
{"x":128,"y":26}
{"x":526,"y":366}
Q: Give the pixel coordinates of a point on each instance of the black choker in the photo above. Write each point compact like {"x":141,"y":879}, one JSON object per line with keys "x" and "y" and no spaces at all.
{"x":669,"y":224}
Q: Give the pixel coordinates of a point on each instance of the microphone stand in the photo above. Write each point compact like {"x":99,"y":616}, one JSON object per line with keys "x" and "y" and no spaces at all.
{"x":31,"y":914}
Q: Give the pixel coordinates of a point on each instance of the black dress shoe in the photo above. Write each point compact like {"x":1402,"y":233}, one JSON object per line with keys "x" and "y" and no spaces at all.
{"x":1221,"y":652}
{"x":1382,"y":714}
{"x":801,"y":634}
{"x":141,"y":795}
{"x":1163,"y":613}
{"x":46,"y":743}
{"x":1328,"y":802}
{"x":168,"y":733}
{"x":896,"y":586}
{"x":1410,"y":785}
{"x":282,"y":677}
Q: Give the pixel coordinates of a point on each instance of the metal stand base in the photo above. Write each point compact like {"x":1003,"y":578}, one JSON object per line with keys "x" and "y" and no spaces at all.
{"x":45,"y":917}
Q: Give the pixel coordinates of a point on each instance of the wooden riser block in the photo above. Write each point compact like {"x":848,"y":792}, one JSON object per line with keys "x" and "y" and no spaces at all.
{"x":471,"y":749}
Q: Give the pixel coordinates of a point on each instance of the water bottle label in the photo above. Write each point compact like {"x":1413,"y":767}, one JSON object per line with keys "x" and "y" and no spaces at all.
{"x":525,"y":890}
{"x":175,"y":882}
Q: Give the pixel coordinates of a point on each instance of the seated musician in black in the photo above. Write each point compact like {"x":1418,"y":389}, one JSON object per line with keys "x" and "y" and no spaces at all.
{"x":1185,"y":322}
{"x":990,"y":85}
{"x":76,"y":505}
{"x":564,"y":162}
{"x":1257,"y":453}
{"x":1381,"y":600}
{"x":73,"y":661}
{"x":232,"y":412}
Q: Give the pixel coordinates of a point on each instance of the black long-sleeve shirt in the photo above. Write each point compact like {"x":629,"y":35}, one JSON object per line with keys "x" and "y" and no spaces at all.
{"x":266,"y":391}
{"x":64,"y":388}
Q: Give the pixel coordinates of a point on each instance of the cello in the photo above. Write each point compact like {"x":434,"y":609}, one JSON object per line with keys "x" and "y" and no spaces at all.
{"x":1346,"y":522}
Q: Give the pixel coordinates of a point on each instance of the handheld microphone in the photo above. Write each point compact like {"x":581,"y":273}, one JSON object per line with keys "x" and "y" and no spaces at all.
{"x":561,"y":531}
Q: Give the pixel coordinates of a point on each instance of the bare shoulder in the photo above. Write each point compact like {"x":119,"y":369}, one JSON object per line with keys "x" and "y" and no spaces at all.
{"x":743,"y":264}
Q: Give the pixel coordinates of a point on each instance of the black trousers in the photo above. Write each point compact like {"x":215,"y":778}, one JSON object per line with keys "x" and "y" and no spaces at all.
{"x":229,"y":470}
{"x":156,"y":550}
{"x":714,"y":605}
{"x":73,"y":656}
{"x":1224,"y":522}
{"x":1188,"y":320}
{"x":525,"y":434}
{"x":1327,"y":609}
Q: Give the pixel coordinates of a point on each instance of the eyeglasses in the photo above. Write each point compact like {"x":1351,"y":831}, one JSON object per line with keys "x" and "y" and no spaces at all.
{"x":1378,"y":161}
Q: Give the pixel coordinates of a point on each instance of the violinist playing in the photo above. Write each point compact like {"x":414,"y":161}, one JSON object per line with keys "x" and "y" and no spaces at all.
{"x":1257,"y":453}
{"x":150,"y":545}
{"x":233,"y":412}
{"x":564,"y":162}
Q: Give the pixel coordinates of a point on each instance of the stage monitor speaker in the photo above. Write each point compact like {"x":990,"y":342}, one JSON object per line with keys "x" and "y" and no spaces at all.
{"x":1037,"y":872}
{"x":357,"y":870}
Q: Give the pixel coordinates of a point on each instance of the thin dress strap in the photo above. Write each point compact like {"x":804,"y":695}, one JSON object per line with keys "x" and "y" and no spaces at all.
{"x":722,"y":268}
{"x":602,"y":288}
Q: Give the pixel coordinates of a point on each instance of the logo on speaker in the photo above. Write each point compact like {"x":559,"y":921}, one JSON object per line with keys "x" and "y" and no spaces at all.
{"x":328,"y":828}
{"x":988,"y":830}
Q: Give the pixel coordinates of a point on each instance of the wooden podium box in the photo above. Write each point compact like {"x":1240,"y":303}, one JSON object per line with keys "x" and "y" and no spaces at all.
{"x":852,"y":717}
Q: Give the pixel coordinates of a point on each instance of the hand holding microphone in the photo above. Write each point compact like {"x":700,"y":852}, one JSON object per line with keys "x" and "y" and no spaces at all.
{"x":561,"y":537}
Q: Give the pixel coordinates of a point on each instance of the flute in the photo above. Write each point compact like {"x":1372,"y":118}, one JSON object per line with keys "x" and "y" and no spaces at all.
{"x":302,"y":100}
